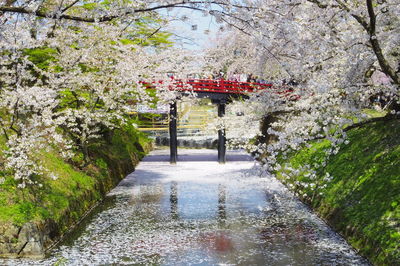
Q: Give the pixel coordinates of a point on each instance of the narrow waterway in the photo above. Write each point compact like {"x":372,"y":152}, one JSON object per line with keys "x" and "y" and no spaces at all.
{"x":200,"y":213}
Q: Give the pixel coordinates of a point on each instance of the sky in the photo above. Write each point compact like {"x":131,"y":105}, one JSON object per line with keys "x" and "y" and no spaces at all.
{"x":196,"y":31}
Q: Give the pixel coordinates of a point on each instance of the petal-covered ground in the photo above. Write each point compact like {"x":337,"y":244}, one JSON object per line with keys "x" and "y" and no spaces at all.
{"x":199,"y":212}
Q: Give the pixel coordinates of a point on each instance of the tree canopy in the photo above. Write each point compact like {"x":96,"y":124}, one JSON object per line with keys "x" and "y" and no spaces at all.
{"x":72,"y":69}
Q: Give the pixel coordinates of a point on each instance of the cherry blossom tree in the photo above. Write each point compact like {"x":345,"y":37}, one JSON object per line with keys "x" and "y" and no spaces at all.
{"x":71,"y":70}
{"x":330,"y":48}
{"x":98,"y":53}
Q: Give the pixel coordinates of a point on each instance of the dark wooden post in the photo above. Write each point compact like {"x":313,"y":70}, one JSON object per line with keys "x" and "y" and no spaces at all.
{"x":221,"y":136}
{"x":173,"y":138}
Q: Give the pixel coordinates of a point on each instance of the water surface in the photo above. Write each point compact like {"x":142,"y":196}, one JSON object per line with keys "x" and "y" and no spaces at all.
{"x":200,"y":213}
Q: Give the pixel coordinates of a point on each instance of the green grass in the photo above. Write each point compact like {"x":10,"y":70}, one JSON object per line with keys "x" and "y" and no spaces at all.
{"x":67,"y":198}
{"x":51,"y":200}
{"x":362,"y":201}
{"x":375,"y":113}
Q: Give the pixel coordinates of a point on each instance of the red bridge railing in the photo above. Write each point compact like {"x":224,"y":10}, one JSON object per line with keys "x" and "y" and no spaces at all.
{"x":224,"y":86}
{"x":220,"y":86}
{"x":214,"y":86}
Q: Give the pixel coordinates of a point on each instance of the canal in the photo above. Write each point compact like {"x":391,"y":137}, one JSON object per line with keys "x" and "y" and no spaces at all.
{"x":200,"y":213}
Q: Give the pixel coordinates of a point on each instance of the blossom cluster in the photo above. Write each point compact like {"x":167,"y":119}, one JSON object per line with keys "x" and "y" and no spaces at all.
{"x":328,"y":52}
{"x":64,"y":83}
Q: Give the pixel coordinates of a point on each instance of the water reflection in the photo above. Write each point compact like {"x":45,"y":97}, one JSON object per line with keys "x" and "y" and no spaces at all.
{"x":174,"y":200}
{"x":221,"y":204}
{"x":203,"y":213}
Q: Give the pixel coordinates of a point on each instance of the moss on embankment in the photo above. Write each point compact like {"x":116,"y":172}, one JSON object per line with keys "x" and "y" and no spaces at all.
{"x":360,"y":197}
{"x":32,"y":219}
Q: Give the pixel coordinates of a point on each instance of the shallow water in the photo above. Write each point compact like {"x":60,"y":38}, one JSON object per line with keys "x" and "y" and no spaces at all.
{"x":200,"y":213}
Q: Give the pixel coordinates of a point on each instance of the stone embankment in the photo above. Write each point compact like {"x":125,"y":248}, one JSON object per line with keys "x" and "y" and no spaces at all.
{"x":27,"y":240}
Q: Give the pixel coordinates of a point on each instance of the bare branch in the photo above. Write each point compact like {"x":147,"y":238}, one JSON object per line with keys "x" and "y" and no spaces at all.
{"x":44,"y":14}
{"x":69,"y":6}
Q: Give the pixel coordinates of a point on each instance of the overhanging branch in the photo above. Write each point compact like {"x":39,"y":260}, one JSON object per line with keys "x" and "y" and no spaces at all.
{"x":370,"y":28}
{"x":106,"y":18}
{"x":386,"y":68}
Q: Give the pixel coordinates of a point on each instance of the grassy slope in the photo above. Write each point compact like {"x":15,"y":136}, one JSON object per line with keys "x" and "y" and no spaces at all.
{"x":20,"y":206}
{"x":363,"y":199}
{"x":66,"y":199}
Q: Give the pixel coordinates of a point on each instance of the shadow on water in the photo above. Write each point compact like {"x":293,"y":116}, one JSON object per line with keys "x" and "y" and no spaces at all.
{"x":69,"y":239}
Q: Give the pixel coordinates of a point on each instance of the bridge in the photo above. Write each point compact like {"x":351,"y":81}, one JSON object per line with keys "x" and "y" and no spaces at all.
{"x":221,"y":92}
